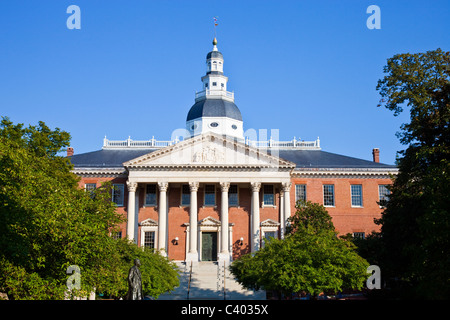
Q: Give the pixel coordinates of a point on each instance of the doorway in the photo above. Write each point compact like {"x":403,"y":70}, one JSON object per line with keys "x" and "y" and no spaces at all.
{"x":209,"y":246}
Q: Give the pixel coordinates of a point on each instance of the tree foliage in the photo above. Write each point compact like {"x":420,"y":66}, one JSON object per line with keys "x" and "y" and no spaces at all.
{"x":309,"y":216}
{"x":416,"y":222}
{"x":309,"y":259}
{"x":48,"y":223}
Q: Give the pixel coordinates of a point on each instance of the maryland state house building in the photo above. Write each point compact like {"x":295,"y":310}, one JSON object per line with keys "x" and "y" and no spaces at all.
{"x":217,"y":194}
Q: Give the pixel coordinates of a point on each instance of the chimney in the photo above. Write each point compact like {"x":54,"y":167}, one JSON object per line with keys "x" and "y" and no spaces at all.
{"x":69,"y":151}
{"x":376,"y":155}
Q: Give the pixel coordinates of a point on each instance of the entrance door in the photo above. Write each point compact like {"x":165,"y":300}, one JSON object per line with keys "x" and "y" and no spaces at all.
{"x":209,"y":246}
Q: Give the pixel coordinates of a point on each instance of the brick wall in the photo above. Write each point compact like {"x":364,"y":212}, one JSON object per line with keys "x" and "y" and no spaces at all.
{"x":347,"y":219}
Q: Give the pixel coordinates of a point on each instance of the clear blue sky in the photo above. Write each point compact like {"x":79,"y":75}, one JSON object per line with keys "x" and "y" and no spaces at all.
{"x":306,"y":68}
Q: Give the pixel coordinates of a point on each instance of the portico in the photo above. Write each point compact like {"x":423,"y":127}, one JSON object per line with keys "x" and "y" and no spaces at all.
{"x":205,"y":162}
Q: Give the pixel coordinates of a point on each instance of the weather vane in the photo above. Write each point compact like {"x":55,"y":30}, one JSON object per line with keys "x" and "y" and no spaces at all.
{"x":215,"y":25}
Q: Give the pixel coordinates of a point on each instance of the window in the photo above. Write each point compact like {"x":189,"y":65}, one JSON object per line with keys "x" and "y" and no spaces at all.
{"x":268,"y":197}
{"x":90,"y":187}
{"x":149,"y":239}
{"x":150,"y":195}
{"x":210,"y":195}
{"x":117,"y":235}
{"x":360,"y":235}
{"x":300,"y":192}
{"x":206,"y":85}
{"x":356,"y":190}
{"x":214,"y":84}
{"x":383,"y":193}
{"x":234,"y":127}
{"x":328,"y":195}
{"x":222,"y":85}
{"x":268,"y":235}
{"x":214,"y":124}
{"x":233,"y":199}
{"x":117,"y":194}
{"x":185,"y":195}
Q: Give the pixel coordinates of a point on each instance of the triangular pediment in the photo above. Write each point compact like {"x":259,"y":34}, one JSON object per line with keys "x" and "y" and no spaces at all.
{"x":270,"y":223}
{"x":209,"y":221}
{"x":209,"y":150}
{"x":148,"y":223}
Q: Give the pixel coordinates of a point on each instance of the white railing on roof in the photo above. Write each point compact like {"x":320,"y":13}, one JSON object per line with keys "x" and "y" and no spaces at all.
{"x":293,"y":144}
{"x":259,"y":144}
{"x":129,"y":143}
{"x":211,"y":93}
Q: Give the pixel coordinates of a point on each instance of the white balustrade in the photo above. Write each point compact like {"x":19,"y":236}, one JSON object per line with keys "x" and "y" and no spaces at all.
{"x":260,"y":144}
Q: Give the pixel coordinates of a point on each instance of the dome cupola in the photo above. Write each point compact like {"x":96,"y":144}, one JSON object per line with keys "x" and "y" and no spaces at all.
{"x":214,"y":108}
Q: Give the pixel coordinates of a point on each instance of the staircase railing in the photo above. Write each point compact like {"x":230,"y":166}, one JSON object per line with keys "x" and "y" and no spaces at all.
{"x":224,"y":277}
{"x":189,"y":282}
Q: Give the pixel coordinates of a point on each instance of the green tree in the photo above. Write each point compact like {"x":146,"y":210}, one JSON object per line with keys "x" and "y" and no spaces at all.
{"x":309,"y":216}
{"x":48,"y":223}
{"x":158,"y":274}
{"x":310,"y":259}
{"x":416,"y":222}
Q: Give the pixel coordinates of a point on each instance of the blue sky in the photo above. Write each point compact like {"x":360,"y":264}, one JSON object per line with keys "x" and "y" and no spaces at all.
{"x":306,"y":68}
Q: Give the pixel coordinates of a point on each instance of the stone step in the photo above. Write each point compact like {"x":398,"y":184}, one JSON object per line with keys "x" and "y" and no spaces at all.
{"x":207,"y":283}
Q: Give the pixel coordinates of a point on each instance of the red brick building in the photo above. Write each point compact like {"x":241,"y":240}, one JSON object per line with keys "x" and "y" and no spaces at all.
{"x":218,"y":193}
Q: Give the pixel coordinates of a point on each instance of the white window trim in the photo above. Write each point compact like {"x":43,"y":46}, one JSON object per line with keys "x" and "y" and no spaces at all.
{"x":263,"y":205}
{"x":269,"y":225}
{"x":86,"y":184}
{"x":306,"y":191}
{"x":351,"y":197}
{"x":379,"y":195}
{"x":122,"y":194}
{"x":334,"y":196}
{"x":149,"y":225}
{"x":363,"y":235}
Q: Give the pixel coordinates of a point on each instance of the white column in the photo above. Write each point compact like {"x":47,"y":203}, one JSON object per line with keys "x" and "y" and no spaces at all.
{"x":287,"y":202}
{"x":162,"y":216}
{"x":131,"y":210}
{"x":192,"y":255}
{"x":282,"y":219}
{"x":255,"y":234}
{"x":224,"y":254}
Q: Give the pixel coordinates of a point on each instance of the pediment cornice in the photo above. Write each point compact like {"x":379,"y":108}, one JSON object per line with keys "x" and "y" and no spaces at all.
{"x":270,"y":223}
{"x":208,"y":152}
{"x":148,"y":223}
{"x":210,"y":221}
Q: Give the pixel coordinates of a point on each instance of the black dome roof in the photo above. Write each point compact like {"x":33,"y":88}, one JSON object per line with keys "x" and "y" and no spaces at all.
{"x":214,"y":54}
{"x":214,"y":108}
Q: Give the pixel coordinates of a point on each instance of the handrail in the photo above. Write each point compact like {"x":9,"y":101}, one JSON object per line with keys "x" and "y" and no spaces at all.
{"x":224,"y":277}
{"x":189,"y":282}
